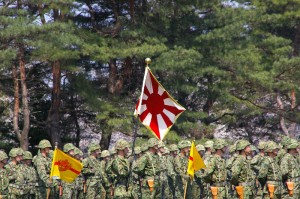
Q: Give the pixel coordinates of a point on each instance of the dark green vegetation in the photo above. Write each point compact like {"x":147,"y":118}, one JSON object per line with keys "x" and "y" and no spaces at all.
{"x":67,"y":67}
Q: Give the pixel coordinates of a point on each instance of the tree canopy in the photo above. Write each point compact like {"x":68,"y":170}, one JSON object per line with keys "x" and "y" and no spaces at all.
{"x":70,"y":69}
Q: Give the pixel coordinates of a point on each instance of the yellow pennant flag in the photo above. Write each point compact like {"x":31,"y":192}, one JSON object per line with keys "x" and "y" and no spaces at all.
{"x":65,"y":167}
{"x":195,"y":161}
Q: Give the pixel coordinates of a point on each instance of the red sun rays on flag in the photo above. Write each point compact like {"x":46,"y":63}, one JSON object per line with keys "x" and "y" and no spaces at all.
{"x":158,"y":110}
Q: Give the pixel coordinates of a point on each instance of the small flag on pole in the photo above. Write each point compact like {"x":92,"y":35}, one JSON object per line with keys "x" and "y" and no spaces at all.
{"x":195,"y":161}
{"x":156,"y":109}
{"x":65,"y":167}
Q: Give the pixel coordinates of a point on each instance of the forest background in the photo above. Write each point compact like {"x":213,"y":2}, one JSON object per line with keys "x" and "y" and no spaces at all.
{"x":70,"y":70}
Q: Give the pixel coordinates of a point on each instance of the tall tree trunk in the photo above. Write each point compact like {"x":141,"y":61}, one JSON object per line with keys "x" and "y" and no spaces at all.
{"x":16,"y":102}
{"x":22,"y":136}
{"x":53,"y":119}
{"x":24,"y":142}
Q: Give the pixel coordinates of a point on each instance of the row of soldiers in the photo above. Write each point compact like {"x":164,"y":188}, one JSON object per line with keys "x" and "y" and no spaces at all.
{"x":157,"y":171}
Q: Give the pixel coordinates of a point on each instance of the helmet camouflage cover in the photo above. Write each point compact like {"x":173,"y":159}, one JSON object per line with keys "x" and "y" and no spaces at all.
{"x":3,"y":156}
{"x":184,"y":144}
{"x":14,"y":152}
{"x":153,"y":142}
{"x":219,"y":144}
{"x":27,"y":155}
{"x":261,"y":145}
{"x":241,"y":145}
{"x":173,"y":147}
{"x":44,"y":144}
{"x":68,"y":147}
{"x":94,"y":146}
{"x":200,"y":147}
{"x":121,"y":144}
{"x":270,"y":146}
{"x":209,"y":144}
{"x":293,"y":144}
{"x":137,"y":150}
{"x":105,"y":153}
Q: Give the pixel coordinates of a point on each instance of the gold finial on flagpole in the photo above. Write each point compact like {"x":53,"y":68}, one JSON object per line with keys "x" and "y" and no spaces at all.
{"x":148,"y":61}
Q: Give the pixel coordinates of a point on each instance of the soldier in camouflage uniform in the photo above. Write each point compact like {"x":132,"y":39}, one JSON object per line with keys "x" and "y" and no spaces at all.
{"x":31,"y":176}
{"x":43,"y":163}
{"x":180,"y":167}
{"x":290,"y":170}
{"x":3,"y":175}
{"x":165,"y":191}
{"x":107,"y":184}
{"x":79,"y":181}
{"x":270,"y":173}
{"x":136,"y":183}
{"x":69,"y":189}
{"x":16,"y":175}
{"x":92,"y":172}
{"x":255,"y":165}
{"x":284,"y":141}
{"x":120,"y":171}
{"x":148,"y":168}
{"x":229,"y":162}
{"x":215,"y":173}
{"x":198,"y":186}
{"x":172,"y":178}
{"x":242,"y":174}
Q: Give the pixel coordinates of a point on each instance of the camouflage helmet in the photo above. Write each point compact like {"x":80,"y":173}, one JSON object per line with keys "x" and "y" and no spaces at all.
{"x":112,"y":151}
{"x":209,"y":144}
{"x":161,"y":144}
{"x":173,"y":147}
{"x":285,"y":140}
{"x":261,"y":145}
{"x":93,"y":147}
{"x":68,"y":147}
{"x":200,"y":147}
{"x":293,"y":144}
{"x":137,"y":150}
{"x":184,"y":144}
{"x":14,"y":152}
{"x":3,"y":156}
{"x":270,"y":146}
{"x":219,"y":144}
{"x":232,"y":148}
{"x":153,"y":142}
{"x":105,"y":153}
{"x":121,"y":144}
{"x":166,"y":151}
{"x":77,"y":151}
{"x":144,"y":148}
{"x":241,"y":145}
{"x":44,"y":144}
{"x":27,"y":155}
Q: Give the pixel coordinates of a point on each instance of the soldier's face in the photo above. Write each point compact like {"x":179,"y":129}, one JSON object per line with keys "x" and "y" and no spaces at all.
{"x":4,"y":161}
{"x":71,"y":152}
{"x":47,"y":150}
{"x":248,"y":149}
{"x":162,"y":149}
{"x":19,"y":158}
{"x":126,"y":150}
{"x":275,"y":151}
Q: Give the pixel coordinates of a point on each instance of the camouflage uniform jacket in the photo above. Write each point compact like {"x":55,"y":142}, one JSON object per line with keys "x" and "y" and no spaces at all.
{"x":207,"y":157}
{"x":105,"y":178}
{"x":241,"y":171}
{"x":256,"y":162}
{"x":120,"y":169}
{"x":280,"y":155}
{"x":31,"y":178}
{"x":215,"y":172}
{"x":16,"y":178}
{"x":43,"y":167}
{"x":148,"y":166}
{"x":3,"y":182}
{"x":270,"y":173}
{"x":289,"y":167}
{"x":92,"y":168}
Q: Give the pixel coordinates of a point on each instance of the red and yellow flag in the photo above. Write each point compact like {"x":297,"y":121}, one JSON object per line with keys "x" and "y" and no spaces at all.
{"x":195,"y":161}
{"x":65,"y":167}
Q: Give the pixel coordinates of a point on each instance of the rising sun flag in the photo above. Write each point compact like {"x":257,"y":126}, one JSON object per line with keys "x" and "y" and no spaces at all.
{"x":65,"y":167}
{"x":195,"y":161}
{"x":156,"y":109}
